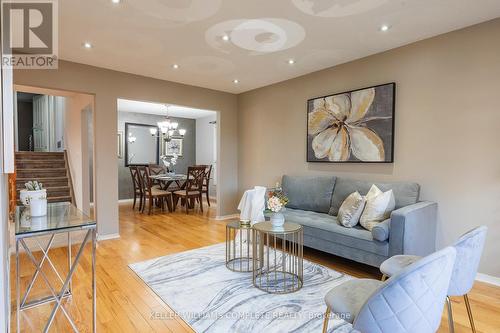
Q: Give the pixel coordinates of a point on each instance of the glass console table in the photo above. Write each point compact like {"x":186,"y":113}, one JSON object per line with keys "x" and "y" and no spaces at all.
{"x":61,"y":218}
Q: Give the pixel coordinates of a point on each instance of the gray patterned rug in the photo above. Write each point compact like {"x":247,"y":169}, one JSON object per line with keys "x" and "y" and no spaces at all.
{"x":197,"y":285}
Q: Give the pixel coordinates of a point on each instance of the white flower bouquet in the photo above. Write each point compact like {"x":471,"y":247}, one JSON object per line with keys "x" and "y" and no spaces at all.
{"x":277,"y":200}
{"x":276,"y":203}
{"x":169,"y":162}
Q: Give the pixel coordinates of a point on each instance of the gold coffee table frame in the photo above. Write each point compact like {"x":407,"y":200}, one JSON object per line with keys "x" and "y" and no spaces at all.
{"x":238,"y":246}
{"x":278,"y":257}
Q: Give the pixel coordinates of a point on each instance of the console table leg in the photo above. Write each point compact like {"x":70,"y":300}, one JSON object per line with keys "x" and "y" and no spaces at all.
{"x":94,"y":313}
{"x":18,"y":290}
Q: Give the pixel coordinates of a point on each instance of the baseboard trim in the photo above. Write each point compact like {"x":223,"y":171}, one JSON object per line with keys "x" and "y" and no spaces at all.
{"x":125,"y":200}
{"x":108,"y":237}
{"x":488,"y":279}
{"x":226,"y":217}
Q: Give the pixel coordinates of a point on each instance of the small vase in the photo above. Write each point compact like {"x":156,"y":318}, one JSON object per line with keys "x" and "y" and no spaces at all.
{"x":277,"y":219}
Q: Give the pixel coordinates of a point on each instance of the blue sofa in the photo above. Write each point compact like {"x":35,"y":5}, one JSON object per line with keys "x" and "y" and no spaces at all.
{"x":314,"y":202}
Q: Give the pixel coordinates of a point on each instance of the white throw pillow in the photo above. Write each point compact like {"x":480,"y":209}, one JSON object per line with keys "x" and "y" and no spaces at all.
{"x":351,"y":209}
{"x":379,"y":206}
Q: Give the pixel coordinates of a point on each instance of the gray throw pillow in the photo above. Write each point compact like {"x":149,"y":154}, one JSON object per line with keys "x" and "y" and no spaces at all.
{"x":351,"y":209}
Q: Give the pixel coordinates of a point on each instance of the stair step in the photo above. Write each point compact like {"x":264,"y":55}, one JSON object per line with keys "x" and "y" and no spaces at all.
{"x":28,"y":155}
{"x":39,"y":164}
{"x":53,"y":199}
{"x":54,"y":191}
{"x":65,"y":198}
{"x":41,"y":173}
{"x":47,"y":181}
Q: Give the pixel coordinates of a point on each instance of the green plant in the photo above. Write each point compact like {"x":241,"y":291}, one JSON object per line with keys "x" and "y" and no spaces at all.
{"x":33,"y":185}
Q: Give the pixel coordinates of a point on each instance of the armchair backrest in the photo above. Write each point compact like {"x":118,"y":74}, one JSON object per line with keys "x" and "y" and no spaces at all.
{"x":412,"y":300}
{"x":469,"y":249}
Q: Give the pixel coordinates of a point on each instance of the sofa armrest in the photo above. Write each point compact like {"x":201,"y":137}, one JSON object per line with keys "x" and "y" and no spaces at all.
{"x":413,"y":229}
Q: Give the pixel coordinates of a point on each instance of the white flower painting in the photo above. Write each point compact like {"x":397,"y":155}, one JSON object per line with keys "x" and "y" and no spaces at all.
{"x":355,"y":126}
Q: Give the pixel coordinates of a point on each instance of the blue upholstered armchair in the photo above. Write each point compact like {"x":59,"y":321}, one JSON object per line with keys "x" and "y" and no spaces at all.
{"x":410,"y":301}
{"x":469,"y":248}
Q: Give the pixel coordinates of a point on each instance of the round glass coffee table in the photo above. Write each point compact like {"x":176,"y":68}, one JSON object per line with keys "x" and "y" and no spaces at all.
{"x":278,"y":257}
{"x":238,"y":246}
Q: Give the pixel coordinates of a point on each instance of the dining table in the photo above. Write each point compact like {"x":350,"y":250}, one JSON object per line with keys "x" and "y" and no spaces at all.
{"x":166,"y":180}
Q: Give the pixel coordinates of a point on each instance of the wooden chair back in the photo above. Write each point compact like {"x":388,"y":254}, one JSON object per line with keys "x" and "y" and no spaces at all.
{"x":136,"y":178}
{"x":208,"y":172}
{"x":146,"y":182}
{"x":156,"y":169}
{"x":195,"y":178}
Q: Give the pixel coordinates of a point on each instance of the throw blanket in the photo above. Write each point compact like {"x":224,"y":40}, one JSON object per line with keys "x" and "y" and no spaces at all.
{"x":252,"y":205}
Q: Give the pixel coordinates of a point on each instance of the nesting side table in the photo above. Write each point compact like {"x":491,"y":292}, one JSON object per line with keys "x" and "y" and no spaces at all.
{"x":278,"y":256}
{"x":238,"y":246}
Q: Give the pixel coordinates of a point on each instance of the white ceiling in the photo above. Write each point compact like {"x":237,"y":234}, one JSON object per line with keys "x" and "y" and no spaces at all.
{"x":125,"y":105}
{"x":146,"y":37}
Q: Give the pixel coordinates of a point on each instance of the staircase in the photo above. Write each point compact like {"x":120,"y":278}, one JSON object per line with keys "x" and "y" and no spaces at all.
{"x":51,"y":169}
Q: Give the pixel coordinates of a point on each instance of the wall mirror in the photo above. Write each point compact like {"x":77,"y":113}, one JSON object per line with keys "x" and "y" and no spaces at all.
{"x":140,"y":146}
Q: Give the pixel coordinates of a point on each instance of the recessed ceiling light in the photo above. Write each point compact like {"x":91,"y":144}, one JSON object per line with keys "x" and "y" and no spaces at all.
{"x":87,"y":45}
{"x":385,"y":27}
{"x":236,"y":81}
{"x":291,"y":61}
{"x":225,"y":38}
{"x":175,"y":66}
{"x":116,"y":1}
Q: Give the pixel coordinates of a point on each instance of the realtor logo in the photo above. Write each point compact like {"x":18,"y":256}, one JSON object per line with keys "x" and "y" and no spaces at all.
{"x":29,"y":34}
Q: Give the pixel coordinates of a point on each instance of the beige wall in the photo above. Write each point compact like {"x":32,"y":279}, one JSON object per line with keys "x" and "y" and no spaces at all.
{"x":447,"y":128}
{"x":76,"y":146}
{"x":107,"y":86}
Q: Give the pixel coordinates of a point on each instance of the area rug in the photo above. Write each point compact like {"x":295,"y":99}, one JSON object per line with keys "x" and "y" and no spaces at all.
{"x":197,"y":285}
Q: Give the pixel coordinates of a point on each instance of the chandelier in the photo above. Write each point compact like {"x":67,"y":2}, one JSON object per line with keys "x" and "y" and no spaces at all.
{"x":168,"y":129}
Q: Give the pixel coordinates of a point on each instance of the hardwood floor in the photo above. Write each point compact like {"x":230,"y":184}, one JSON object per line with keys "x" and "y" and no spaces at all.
{"x":126,"y":304}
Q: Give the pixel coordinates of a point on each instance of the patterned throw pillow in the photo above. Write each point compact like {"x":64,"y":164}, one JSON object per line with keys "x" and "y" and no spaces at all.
{"x":379,"y":206}
{"x":351,"y":209}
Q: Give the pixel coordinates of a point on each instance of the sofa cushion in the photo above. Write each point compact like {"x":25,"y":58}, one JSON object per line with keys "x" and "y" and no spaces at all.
{"x":325,"y":227}
{"x":313,"y":193}
{"x":405,"y":193}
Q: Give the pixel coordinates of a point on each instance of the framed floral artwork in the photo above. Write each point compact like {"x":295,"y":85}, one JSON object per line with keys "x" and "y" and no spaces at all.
{"x":352,"y":127}
{"x":173,"y":147}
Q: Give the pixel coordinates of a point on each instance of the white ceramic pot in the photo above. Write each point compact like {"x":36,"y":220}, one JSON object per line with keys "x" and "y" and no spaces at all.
{"x":35,"y":200}
{"x":277,"y":220}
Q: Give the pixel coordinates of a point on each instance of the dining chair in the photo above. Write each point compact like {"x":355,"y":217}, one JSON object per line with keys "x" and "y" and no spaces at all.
{"x":469,"y":249}
{"x":153,"y":193}
{"x":206,"y":183}
{"x":410,"y":301}
{"x":136,"y":181}
{"x":156,"y":169}
{"x":192,"y":189}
